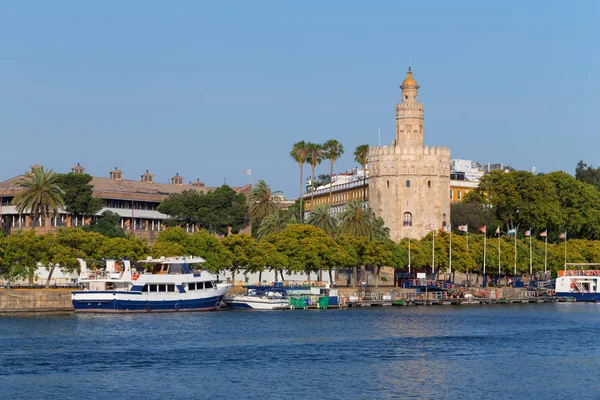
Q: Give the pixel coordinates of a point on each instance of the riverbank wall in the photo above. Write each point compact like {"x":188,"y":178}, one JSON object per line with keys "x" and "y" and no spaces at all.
{"x":35,"y":300}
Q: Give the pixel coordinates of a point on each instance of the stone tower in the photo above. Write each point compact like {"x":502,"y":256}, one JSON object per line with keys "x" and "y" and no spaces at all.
{"x":409,"y":184}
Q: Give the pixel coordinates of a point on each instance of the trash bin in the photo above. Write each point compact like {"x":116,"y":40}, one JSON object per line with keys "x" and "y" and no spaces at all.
{"x":323,"y":302}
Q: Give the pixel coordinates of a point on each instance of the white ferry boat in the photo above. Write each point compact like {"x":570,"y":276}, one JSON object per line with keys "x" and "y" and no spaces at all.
{"x":267,"y":298}
{"x":164,"y":284}
{"x":582,"y":285}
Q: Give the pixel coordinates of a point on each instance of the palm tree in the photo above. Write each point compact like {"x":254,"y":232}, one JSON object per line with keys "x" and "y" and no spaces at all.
{"x":380,"y":231}
{"x":361,"y":156}
{"x":356,"y":220}
{"x":41,"y":195}
{"x":320,"y":217}
{"x":332,"y":149}
{"x":272,"y":223}
{"x":314,"y":157}
{"x":263,"y":201}
{"x":299,"y":153}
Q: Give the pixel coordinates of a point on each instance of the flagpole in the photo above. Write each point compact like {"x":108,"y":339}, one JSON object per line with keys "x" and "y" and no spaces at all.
{"x":409,"y":235}
{"x":450,"y":253}
{"x":499,"y":266}
{"x":433,"y":255}
{"x":530,"y":256}
{"x":565,"y":250}
{"x":546,"y":254}
{"x":467,"y":253}
{"x":484,"y":240}
{"x":515,"y":254}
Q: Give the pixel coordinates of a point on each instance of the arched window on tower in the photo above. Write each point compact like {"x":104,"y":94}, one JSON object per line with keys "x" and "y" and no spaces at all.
{"x":444,"y":221}
{"x":407,"y":184}
{"x":388,"y":184}
{"x":407,"y":219}
{"x":429,"y":184}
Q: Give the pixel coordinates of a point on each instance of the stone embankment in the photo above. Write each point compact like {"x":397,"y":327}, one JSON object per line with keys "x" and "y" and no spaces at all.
{"x":35,"y":300}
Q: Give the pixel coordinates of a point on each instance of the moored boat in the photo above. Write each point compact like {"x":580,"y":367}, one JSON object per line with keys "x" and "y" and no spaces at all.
{"x":267,"y":298}
{"x":163,"y":284}
{"x":582,"y":285}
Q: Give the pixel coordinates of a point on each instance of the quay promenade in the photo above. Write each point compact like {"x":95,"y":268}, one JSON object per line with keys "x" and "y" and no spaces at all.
{"x":59,"y":299}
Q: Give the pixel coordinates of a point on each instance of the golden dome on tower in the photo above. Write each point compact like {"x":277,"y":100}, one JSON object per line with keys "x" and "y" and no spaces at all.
{"x":409,"y":81}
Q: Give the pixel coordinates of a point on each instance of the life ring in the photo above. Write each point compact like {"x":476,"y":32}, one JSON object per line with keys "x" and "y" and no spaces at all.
{"x":439,"y":285}
{"x":573,"y":285}
{"x":292,"y":307}
{"x":551,"y":292}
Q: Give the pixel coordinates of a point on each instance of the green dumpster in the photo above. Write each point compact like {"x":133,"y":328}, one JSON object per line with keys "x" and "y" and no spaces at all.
{"x":297,"y":302}
{"x":323,"y":302}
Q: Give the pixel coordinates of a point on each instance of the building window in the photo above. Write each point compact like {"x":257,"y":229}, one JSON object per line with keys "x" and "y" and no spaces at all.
{"x":444,"y":220}
{"x":451,"y":194}
{"x":407,"y":184}
{"x":458,"y":195}
{"x":407,"y":219}
{"x":429,"y":184}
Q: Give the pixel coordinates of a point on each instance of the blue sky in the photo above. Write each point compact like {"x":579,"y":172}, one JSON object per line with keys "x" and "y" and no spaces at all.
{"x":209,"y":89}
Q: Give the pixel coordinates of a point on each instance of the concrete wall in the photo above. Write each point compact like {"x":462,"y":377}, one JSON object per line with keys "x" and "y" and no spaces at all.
{"x":16,"y":300}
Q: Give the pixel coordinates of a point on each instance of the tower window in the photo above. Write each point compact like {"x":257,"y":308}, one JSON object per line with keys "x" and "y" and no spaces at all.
{"x":429,"y":184}
{"x":405,"y":97}
{"x":407,"y":184}
{"x":407,"y":219}
{"x":388,"y":184}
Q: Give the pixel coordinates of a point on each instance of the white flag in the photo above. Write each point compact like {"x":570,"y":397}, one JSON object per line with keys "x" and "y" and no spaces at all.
{"x":248,"y":171}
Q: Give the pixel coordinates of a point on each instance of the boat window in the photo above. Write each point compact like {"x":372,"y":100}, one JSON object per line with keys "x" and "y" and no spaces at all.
{"x":170,"y":288}
{"x":162,"y":288}
{"x":153,"y":288}
{"x":176,"y":269}
{"x":200,"y":285}
{"x":191,"y":286}
{"x":208,"y":285}
{"x":145,"y":288}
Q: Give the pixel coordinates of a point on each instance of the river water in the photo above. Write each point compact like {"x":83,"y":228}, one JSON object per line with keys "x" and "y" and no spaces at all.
{"x":529,"y":351}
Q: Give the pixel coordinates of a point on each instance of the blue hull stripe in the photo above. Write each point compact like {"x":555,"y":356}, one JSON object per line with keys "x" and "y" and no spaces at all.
{"x":581,"y":296}
{"x":111,"y":305}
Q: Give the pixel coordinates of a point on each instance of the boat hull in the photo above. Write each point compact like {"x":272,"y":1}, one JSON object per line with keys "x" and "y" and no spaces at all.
{"x":128,"y":303}
{"x":582,"y":297}
{"x":249,"y":303}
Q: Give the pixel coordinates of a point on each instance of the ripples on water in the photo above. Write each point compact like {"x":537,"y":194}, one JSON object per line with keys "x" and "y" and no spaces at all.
{"x":460,"y":352}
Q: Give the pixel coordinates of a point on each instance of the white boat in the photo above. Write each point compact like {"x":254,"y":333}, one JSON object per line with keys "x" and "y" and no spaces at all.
{"x":582,"y":285}
{"x":267,"y":298}
{"x":163,"y":284}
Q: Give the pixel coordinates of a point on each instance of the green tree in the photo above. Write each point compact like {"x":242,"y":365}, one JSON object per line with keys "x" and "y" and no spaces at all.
{"x":300,"y":153}
{"x":355,"y":247}
{"x":52,"y":254}
{"x":242,"y":249}
{"x":587,"y":174}
{"x":380,"y":231}
{"x":78,"y":194}
{"x":272,"y":223}
{"x":263,"y":201}
{"x":361,"y":156}
{"x":356,"y":220}
{"x":473,"y":214}
{"x":332,"y":150}
{"x":520,"y":198}
{"x":321,"y":218}
{"x":41,"y":194}
{"x":378,"y":255}
{"x":580,"y":207}
{"x":109,"y":224}
{"x":18,"y":256}
{"x":214,"y":211}
{"x":314,"y":153}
